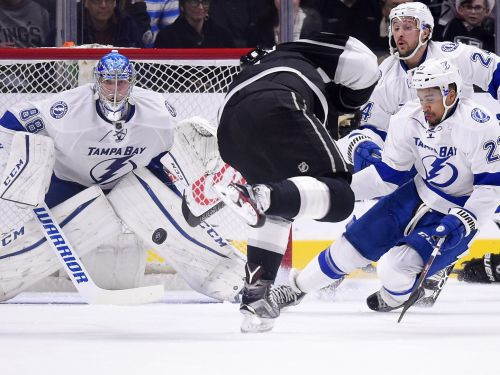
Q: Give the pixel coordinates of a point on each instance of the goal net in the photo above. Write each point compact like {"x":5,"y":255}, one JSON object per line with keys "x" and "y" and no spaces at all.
{"x":193,"y":82}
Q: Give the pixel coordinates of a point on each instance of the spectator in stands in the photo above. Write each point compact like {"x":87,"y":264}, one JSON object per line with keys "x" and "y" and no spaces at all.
{"x":472,"y":25}
{"x":137,"y":9}
{"x":359,"y":18}
{"x":162,"y":13}
{"x":235,"y":16}
{"x":103,"y":23}
{"x":194,"y":29}
{"x":265,"y":31}
{"x":24,"y":23}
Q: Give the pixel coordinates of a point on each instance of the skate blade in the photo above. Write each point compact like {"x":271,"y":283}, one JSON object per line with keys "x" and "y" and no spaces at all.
{"x":253,"y":324}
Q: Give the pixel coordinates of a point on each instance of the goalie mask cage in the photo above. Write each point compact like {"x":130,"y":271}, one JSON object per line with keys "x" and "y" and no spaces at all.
{"x":193,"y":82}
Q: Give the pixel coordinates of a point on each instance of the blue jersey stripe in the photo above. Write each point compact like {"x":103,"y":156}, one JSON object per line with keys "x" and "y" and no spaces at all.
{"x":495,"y":82}
{"x":392,"y":175}
{"x":382,"y":134}
{"x":460,"y":201}
{"x":487,"y":179}
{"x":10,"y":121}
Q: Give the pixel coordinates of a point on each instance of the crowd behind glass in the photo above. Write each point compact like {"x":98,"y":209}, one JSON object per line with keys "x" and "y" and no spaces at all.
{"x":234,"y":23}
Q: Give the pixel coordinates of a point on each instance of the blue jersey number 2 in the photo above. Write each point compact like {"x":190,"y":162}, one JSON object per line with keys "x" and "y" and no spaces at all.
{"x":491,"y":154}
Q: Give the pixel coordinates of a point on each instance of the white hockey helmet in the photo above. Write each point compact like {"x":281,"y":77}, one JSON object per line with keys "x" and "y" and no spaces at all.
{"x":422,"y":15}
{"x":438,"y":73}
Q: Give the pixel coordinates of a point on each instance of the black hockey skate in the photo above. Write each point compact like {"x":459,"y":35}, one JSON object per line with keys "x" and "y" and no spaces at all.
{"x":243,"y":199}
{"x":257,"y":306}
{"x":376,"y":302}
{"x":286,"y":296}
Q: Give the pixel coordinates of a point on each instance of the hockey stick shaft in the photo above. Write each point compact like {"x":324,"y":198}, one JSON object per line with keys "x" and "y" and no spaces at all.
{"x":194,"y":220}
{"x":415,"y":294}
{"x":75,"y":269}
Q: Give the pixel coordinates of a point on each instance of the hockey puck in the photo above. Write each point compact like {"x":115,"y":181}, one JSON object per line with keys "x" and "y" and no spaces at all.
{"x":159,"y":236}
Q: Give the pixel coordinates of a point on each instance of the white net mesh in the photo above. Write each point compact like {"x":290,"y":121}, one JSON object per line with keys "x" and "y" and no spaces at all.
{"x":192,"y":87}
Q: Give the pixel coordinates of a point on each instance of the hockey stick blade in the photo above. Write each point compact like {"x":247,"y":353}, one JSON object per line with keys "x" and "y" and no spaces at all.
{"x":415,"y":294}
{"x":431,"y":300}
{"x":194,"y":220}
{"x":72,"y":264}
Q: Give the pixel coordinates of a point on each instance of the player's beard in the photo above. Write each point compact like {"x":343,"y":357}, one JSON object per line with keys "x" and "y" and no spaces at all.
{"x":409,"y":51}
{"x":431,"y":118}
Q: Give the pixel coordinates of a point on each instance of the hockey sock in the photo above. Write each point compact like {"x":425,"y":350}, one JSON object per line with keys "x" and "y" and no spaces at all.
{"x":285,"y":199}
{"x":268,"y":260}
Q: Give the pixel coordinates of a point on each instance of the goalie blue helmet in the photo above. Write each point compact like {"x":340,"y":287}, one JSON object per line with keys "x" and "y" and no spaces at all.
{"x":114,"y":78}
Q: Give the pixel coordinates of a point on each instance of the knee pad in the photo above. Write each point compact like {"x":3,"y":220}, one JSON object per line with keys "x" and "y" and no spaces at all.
{"x":398,"y":268}
{"x":341,"y":199}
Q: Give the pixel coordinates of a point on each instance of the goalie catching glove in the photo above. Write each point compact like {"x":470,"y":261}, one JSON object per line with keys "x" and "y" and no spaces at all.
{"x":481,"y":270}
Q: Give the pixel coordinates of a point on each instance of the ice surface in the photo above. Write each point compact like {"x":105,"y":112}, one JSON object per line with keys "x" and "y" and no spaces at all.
{"x":186,"y":334}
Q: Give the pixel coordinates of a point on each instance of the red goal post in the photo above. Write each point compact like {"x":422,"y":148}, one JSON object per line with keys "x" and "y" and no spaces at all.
{"x":193,"y":81}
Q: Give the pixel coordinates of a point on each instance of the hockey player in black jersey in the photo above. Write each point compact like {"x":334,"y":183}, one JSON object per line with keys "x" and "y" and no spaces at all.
{"x":277,"y":127}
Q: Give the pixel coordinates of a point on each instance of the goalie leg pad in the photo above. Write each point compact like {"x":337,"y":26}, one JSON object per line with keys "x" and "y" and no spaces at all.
{"x":207,"y":262}
{"x":25,"y":257}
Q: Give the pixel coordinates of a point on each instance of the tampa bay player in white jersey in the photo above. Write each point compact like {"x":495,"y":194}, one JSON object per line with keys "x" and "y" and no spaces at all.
{"x":410,"y":31}
{"x":107,"y":185}
{"x":99,"y":136}
{"x":453,"y":143}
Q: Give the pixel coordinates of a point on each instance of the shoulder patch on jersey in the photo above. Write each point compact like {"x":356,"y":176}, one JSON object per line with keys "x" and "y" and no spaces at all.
{"x":28,"y":113}
{"x":171,"y":109}
{"x":479,"y":116}
{"x":58,"y":109}
{"x":448,"y":47}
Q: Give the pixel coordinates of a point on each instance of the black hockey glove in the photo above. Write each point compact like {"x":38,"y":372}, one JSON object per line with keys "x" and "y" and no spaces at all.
{"x":481,"y":270}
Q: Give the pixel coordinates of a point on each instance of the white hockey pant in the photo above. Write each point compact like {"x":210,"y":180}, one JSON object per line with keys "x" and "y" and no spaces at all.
{"x":397,"y":270}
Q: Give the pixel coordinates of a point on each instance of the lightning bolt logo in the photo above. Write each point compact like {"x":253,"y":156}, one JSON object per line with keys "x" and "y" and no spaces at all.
{"x":437,"y":168}
{"x":109,"y":170}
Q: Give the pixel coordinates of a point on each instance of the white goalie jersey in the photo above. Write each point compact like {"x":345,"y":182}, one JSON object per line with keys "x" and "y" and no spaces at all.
{"x":477,"y":67}
{"x":457,"y":161}
{"x":89,"y":149}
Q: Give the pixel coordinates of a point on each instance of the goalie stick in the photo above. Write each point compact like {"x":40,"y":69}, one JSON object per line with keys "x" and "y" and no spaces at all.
{"x":417,"y":291}
{"x":75,"y":269}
